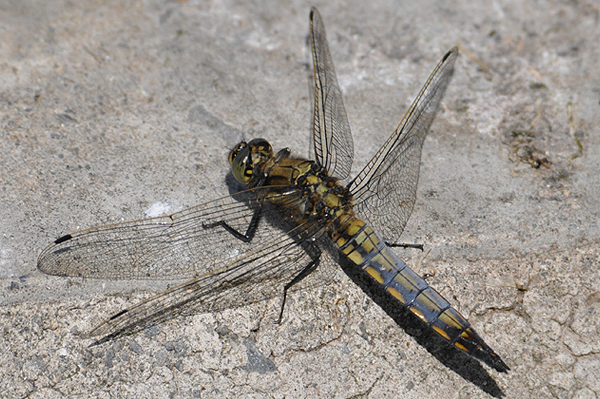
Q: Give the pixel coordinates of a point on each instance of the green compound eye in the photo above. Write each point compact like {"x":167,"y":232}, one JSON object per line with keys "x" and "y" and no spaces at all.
{"x":245,"y":156}
{"x":236,"y":150}
{"x":241,"y":165}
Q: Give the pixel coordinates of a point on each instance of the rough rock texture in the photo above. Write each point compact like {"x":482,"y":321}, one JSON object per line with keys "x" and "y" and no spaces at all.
{"x":112,"y":111}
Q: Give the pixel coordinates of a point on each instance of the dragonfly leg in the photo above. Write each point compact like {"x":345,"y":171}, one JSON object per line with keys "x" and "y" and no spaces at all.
{"x":305,"y":272}
{"x":250,"y":231}
{"x":404,"y":245}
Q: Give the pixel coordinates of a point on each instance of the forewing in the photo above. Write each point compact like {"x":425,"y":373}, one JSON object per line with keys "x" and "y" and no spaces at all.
{"x":259,"y":273}
{"x":178,"y":246}
{"x":332,"y":138}
{"x":385,"y":190}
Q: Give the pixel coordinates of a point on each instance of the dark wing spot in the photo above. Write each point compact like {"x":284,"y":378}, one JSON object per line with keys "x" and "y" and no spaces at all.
{"x":63,"y":239}
{"x":122,"y":312}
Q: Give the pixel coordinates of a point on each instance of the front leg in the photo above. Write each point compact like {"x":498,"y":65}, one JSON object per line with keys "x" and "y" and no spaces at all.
{"x":250,"y":231}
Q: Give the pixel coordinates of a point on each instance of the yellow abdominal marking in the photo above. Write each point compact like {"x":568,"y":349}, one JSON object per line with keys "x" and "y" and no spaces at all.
{"x":354,"y":227}
{"x":349,"y":249}
{"x":359,"y":239}
{"x":375,"y":274}
{"x":396,"y":294}
{"x":418,"y":313}
{"x":356,"y":257}
{"x":441,"y":332}
{"x":449,"y":320}
{"x":373,"y":238}
{"x":460,"y":346}
{"x":368,"y":246}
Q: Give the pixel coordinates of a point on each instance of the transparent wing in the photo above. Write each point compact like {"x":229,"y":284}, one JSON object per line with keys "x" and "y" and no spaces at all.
{"x":258,"y":274}
{"x":225,"y":271}
{"x":177,"y":246}
{"x":385,"y":190}
{"x":334,"y":149}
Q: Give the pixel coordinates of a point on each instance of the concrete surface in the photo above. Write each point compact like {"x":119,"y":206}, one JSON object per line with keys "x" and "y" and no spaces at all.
{"x":111,"y":109}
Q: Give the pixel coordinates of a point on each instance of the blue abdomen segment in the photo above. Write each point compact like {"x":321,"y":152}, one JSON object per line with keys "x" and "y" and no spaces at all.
{"x":362,"y":246}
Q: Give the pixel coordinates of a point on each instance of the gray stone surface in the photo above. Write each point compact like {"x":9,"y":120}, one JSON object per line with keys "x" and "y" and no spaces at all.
{"x":110,"y":108}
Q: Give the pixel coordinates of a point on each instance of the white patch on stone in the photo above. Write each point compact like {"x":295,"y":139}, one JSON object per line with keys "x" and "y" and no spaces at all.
{"x":158,"y":209}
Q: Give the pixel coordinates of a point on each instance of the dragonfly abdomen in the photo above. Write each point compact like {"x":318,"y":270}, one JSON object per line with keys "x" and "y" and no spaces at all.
{"x":364,"y":248}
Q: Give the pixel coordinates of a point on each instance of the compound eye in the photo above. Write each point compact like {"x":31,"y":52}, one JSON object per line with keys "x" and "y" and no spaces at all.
{"x":261,"y":146}
{"x":242,"y":166}
{"x":236,"y":150}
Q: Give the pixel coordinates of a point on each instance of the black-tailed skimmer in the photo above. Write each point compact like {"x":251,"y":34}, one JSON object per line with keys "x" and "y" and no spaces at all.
{"x":293,"y":217}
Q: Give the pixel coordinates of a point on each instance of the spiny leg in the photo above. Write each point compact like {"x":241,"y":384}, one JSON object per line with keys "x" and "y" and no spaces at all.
{"x":404,"y":245}
{"x":311,"y":267}
{"x":426,"y":275}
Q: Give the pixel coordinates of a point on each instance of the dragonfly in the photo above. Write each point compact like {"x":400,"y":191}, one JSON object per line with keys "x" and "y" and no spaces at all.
{"x":292,"y":219}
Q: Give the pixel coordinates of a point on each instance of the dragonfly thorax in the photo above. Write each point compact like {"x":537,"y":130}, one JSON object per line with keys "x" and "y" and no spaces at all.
{"x":244,"y":157}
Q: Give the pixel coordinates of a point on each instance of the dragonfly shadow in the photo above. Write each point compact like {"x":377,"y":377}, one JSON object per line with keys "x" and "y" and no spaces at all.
{"x":236,"y":189}
{"x":458,"y":361}
{"x":453,"y":358}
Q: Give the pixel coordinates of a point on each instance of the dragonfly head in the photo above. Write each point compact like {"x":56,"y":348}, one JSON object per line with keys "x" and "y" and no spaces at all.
{"x":245,"y":156}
